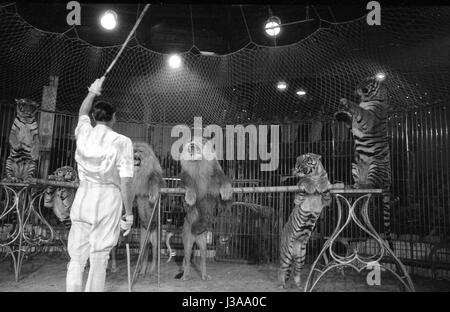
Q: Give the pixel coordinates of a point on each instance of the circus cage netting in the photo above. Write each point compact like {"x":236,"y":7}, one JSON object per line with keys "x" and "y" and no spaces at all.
{"x":410,"y":48}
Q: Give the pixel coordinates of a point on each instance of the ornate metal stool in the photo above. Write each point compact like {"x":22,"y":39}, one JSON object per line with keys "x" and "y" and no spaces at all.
{"x":353,"y":258}
{"x":27,"y":229}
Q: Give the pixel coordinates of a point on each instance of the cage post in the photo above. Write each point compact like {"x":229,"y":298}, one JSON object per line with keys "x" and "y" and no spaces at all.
{"x":159,"y":241}
{"x":46,"y":125}
{"x":281,"y":222}
{"x":408,"y":178}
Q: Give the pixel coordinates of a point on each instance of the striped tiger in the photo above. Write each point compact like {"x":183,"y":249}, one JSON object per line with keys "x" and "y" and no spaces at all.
{"x":61,"y":198}
{"x":24,"y":142}
{"x":309,"y":202}
{"x":372,"y":166}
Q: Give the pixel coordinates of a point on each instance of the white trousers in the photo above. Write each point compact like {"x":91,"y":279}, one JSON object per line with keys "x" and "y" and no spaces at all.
{"x":95,"y":230}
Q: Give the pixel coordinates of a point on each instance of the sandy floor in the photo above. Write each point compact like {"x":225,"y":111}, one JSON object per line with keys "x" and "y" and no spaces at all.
{"x":42,"y":274}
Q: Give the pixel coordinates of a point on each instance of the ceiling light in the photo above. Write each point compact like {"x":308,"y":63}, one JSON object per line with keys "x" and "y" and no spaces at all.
{"x":174,"y":61}
{"x":381,"y":76}
{"x":272,"y":26}
{"x":109,"y":20}
{"x":301,"y":92}
{"x":281,"y":85}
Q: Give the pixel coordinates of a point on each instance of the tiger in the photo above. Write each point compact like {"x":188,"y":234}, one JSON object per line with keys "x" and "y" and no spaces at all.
{"x":313,"y":196}
{"x":61,"y":198}
{"x":368,"y":119}
{"x":21,"y":163}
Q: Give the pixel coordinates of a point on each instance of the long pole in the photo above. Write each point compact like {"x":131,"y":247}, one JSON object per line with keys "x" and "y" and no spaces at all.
{"x":128,"y":266}
{"x":128,"y":39}
{"x":147,"y":235}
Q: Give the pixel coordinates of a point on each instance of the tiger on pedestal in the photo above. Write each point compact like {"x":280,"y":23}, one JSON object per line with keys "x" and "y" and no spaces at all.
{"x":368,"y":121}
{"x":314,"y":195}
{"x":24,"y":143}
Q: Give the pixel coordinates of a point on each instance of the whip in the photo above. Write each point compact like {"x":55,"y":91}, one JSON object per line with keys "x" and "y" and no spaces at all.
{"x":127,"y":40}
{"x":128,"y":266}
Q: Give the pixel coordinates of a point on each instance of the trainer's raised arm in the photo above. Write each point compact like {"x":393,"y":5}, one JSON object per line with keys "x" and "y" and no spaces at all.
{"x":94,"y":90}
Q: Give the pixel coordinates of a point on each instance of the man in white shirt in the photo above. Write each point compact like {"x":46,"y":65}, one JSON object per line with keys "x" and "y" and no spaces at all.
{"x":105,"y":168}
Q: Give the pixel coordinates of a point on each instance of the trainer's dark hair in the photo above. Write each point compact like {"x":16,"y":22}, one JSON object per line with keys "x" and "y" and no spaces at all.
{"x":103,"y":111}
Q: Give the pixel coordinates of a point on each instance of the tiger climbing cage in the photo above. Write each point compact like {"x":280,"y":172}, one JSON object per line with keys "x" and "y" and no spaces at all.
{"x":411,"y":47}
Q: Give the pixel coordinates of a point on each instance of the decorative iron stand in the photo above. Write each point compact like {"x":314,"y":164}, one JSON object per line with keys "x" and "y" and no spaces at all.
{"x":354,"y":259}
{"x":28,"y":230}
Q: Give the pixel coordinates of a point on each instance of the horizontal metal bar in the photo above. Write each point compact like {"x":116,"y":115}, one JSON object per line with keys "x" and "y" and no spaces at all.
{"x":335,"y":189}
{"x":268,"y":189}
{"x":42,"y":182}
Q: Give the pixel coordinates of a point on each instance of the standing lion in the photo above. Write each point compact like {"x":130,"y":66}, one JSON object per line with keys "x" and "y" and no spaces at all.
{"x":207,"y":188}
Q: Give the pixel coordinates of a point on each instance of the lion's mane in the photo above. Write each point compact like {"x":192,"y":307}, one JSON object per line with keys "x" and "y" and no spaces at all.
{"x":148,"y":177}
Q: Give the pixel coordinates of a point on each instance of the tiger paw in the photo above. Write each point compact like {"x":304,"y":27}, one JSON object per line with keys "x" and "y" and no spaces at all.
{"x":297,"y":281}
{"x":299,"y":199}
{"x":362,"y":186}
{"x":326,"y":199}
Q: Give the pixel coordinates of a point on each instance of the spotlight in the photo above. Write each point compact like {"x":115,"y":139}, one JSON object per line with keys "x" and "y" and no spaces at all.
{"x":174,"y":61}
{"x":381,"y":76}
{"x":109,"y":20}
{"x":301,"y":92}
{"x":272,"y":26}
{"x":281,"y":85}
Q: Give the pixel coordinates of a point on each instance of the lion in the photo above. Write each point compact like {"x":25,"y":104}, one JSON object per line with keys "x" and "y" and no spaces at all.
{"x":207,"y":188}
{"x":146,"y":184}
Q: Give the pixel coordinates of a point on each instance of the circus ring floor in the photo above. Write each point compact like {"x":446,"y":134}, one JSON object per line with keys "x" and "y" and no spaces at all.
{"x":43,"y":274}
